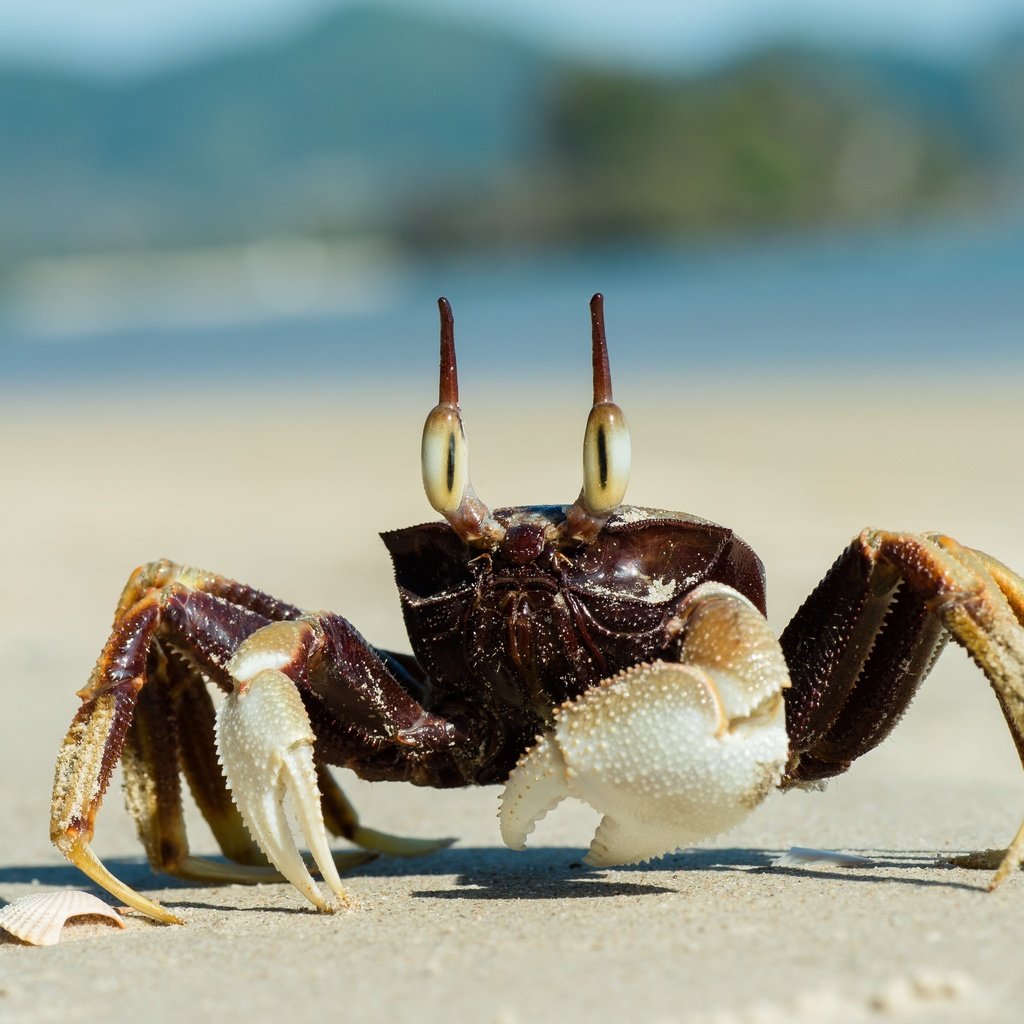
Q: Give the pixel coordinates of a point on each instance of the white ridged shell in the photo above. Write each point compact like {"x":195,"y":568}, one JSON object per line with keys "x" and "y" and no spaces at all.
{"x":40,"y":918}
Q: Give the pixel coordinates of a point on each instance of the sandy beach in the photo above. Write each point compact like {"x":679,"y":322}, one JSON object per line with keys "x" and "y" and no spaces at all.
{"x":288,"y":493}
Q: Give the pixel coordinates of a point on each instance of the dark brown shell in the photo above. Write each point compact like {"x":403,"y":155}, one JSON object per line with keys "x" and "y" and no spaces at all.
{"x":507,"y":635}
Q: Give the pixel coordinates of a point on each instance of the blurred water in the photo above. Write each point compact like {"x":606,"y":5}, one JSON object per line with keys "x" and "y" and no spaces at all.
{"x":934,"y":299}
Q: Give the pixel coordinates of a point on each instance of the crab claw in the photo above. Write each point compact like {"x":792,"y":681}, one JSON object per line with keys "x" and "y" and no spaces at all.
{"x":669,"y":752}
{"x":265,"y":745}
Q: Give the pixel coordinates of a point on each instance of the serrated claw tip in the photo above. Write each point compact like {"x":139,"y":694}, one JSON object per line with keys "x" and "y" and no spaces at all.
{"x":265,"y":745}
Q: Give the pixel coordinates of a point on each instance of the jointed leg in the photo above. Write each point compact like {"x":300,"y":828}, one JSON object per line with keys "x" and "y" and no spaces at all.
{"x":197,"y":610}
{"x":855,"y":667}
{"x":147,"y":700}
{"x":1004,"y":861}
{"x":172,"y":731}
{"x":341,"y":819}
{"x":868,"y":635}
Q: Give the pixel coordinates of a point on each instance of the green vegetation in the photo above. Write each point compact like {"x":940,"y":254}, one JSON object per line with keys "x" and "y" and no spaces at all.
{"x":770,"y":144}
{"x":392,"y":125}
{"x":789,"y":140}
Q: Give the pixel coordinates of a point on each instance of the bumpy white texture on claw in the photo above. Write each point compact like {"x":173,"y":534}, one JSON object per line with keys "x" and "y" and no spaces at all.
{"x":670,"y":753}
{"x":265,"y":745}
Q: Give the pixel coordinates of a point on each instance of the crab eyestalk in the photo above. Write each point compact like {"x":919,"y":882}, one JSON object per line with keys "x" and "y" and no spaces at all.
{"x":445,"y":453}
{"x":607,"y":451}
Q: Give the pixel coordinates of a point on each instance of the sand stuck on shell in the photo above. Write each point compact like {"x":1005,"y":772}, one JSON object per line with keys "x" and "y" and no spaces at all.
{"x":39,"y":919}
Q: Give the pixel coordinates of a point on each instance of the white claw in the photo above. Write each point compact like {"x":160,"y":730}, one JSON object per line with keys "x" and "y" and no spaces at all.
{"x":265,"y":745}
{"x":540,"y":786}
{"x":669,"y":753}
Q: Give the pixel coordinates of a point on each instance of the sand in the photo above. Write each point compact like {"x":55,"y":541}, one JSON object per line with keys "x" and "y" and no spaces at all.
{"x":287,"y":492}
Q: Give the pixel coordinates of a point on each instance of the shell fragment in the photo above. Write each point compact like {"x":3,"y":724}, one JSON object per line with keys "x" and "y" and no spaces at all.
{"x":805,"y":856}
{"x":39,"y":919}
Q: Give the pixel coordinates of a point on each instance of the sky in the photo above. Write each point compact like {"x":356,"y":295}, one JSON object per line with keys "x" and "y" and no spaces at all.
{"x":127,"y":36}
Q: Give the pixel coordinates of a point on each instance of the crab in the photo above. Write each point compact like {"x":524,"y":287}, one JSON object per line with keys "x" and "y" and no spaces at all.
{"x":616,"y":654}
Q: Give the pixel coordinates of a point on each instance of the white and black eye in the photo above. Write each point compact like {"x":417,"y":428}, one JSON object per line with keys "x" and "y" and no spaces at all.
{"x":607,"y":455}
{"x":444,"y":459}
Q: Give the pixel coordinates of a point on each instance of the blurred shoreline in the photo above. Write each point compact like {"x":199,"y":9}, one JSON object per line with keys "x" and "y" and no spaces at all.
{"x":939,"y":298}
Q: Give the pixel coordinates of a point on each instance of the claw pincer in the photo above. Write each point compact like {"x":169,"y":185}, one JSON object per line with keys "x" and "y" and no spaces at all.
{"x":265,"y":745}
{"x":669,"y":752}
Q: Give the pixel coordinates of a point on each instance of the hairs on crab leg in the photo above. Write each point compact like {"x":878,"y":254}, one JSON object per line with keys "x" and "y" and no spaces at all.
{"x":865,"y":639}
{"x":122,"y":715}
{"x":146,"y":705}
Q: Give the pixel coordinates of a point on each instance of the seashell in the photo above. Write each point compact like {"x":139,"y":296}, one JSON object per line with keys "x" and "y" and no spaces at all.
{"x":803,"y":856}
{"x":39,"y":919}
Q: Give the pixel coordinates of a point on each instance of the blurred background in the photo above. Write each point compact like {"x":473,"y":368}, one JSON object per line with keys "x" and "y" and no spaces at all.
{"x":280,"y":189}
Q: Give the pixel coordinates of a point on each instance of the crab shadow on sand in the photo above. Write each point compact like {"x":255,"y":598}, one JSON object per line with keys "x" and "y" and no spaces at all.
{"x":542,"y":873}
{"x":559,"y":873}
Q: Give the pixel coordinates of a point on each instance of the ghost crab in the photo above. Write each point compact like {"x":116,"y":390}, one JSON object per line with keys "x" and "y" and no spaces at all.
{"x":616,"y":654}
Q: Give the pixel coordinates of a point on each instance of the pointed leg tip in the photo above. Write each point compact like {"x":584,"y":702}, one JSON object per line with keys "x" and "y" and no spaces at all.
{"x":155,"y":912}
{"x":82,"y":856}
{"x":1007,"y":868}
{"x":398,"y":846}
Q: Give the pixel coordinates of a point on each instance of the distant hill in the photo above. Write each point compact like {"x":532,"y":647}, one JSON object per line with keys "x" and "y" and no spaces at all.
{"x":333,"y":125}
{"x":436,"y":133}
{"x":787,"y":138}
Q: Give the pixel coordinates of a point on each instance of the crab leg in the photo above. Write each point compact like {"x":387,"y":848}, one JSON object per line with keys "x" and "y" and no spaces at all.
{"x":341,"y":819}
{"x":193,"y":715}
{"x":120,"y":715}
{"x":152,"y":778}
{"x":174,"y":718}
{"x":93,"y":746}
{"x":1003,"y":861}
{"x":146,"y":704}
{"x":1012,"y":587}
{"x":859,"y":648}
{"x":669,"y":752}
